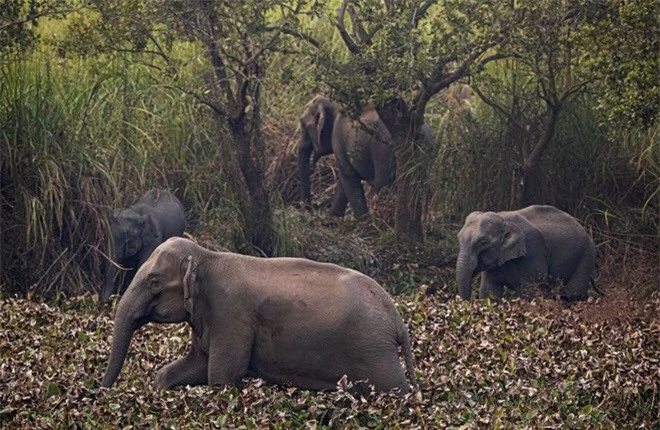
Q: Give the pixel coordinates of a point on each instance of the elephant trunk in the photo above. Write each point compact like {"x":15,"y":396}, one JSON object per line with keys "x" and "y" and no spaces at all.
{"x":465,"y":267}
{"x":304,"y":153}
{"x":131,"y":314}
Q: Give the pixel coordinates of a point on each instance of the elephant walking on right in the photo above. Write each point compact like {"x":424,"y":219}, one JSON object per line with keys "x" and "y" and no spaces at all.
{"x":517,"y":248}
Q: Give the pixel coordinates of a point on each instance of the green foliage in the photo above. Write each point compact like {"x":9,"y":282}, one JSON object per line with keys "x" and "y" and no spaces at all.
{"x":519,"y":154}
{"x":402,"y":49}
{"x":609,"y":182}
{"x":626,"y":61}
{"x":235,"y":42}
{"x":19,"y":20}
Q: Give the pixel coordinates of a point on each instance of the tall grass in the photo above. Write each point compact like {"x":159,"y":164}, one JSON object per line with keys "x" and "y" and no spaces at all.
{"x":78,"y":138}
{"x":604,"y":176}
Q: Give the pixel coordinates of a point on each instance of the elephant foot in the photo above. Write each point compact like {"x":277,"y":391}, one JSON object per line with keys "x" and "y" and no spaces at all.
{"x":162,"y":381}
{"x":339,"y":213}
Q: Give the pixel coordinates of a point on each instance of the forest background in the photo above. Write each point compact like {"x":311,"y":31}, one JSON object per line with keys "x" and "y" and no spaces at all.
{"x":102,"y":100}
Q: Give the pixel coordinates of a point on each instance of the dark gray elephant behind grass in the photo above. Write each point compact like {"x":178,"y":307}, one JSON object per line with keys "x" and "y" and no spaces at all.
{"x":136,"y":231}
{"x":518,"y":248}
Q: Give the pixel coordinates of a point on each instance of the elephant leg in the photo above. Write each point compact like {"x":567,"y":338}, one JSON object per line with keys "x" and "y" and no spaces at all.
{"x":489,"y":288}
{"x":575,"y":288}
{"x":384,"y":373}
{"x":229,"y":356}
{"x":352,"y":186}
{"x":339,"y":201}
{"x":191,"y":369}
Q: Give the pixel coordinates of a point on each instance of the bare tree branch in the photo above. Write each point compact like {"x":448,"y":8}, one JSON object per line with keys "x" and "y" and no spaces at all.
{"x":160,"y":50}
{"x":358,"y":28}
{"x":574,"y":89}
{"x":492,"y":103}
{"x":296,"y":33}
{"x":350,"y":43}
{"x":203,"y":100}
{"x":421,"y":12}
{"x":48,"y":11}
{"x":481,"y":65}
{"x":549,"y":126}
{"x":463,"y":70}
{"x":213,"y":50}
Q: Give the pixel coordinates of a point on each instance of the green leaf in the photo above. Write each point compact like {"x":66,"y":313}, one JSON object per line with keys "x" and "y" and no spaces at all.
{"x":52,"y":389}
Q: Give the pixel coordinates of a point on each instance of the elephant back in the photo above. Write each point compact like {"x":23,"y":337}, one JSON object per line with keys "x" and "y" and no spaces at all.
{"x":565,"y":238}
{"x":165,"y":210}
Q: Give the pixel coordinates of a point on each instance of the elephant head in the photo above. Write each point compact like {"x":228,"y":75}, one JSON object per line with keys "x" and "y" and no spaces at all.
{"x":486,"y":241}
{"x":395,"y":113}
{"x":124,"y":241}
{"x":316,"y":123}
{"x":162,"y":291}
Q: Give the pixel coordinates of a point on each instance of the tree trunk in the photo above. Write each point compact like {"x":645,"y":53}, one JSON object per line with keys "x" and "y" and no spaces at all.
{"x":530,"y":172}
{"x":411,"y":186}
{"x":531,"y":186}
{"x":414,"y":145}
{"x":256,"y":214}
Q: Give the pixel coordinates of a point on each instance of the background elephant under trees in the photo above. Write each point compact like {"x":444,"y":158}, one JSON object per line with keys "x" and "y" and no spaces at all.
{"x":516,"y":248}
{"x":363,"y":151}
{"x":287,"y":320}
{"x":136,"y":231}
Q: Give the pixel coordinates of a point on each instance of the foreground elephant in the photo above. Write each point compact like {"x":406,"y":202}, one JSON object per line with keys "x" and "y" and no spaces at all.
{"x":520,"y":247}
{"x":287,"y":320}
{"x":363,"y":151}
{"x":136,"y":231}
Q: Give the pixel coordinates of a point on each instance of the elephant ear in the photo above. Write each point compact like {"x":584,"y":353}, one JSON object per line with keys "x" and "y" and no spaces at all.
{"x":190,"y":286}
{"x":513,"y":243}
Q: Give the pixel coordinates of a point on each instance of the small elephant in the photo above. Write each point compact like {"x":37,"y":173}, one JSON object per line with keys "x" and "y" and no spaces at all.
{"x":136,"y":231}
{"x":516,"y":248}
{"x":287,"y":320}
{"x":363,"y":151}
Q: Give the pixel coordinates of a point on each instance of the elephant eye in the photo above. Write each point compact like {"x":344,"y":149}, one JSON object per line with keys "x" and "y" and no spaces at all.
{"x":154,"y":286}
{"x":481,"y":242}
{"x":153,"y":283}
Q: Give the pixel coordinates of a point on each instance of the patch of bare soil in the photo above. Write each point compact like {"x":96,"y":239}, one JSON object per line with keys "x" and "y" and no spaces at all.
{"x":630,"y":281}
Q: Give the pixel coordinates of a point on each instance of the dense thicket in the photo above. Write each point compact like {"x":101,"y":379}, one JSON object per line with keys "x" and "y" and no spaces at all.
{"x":102,"y":101}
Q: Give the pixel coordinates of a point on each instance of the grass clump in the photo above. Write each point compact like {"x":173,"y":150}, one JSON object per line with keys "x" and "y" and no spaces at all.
{"x":76,"y":143}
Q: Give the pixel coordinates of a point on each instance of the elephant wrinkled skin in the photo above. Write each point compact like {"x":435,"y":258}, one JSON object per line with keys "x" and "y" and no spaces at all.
{"x":136,"y":231}
{"x":287,"y":320}
{"x":517,"y":248}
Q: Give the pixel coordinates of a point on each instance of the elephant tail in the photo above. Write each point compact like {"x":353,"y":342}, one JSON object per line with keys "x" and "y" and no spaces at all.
{"x":403,"y":339}
{"x":596,"y":287}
